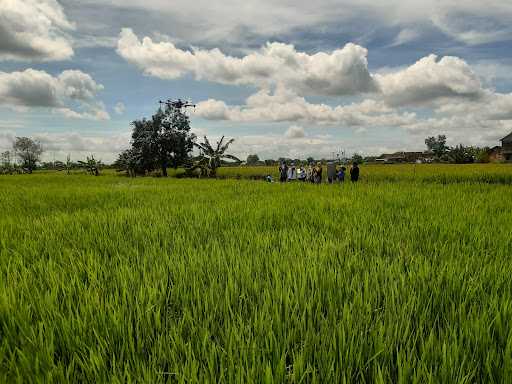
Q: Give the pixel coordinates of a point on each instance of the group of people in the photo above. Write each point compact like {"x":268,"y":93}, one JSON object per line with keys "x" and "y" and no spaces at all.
{"x":313,"y":173}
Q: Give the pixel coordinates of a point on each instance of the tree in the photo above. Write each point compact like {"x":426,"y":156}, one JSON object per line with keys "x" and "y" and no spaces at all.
{"x":437,"y":145}
{"x":68,"y":165}
{"x":310,"y":160}
{"x":252,"y":159}
{"x":91,"y":165}
{"x":128,"y":162}
{"x":211,"y":157}
{"x":482,"y":155}
{"x":461,"y":154}
{"x":29,"y":152}
{"x":357,"y":158}
{"x":6,"y":165}
{"x":163,"y":141}
{"x":5,"y":159}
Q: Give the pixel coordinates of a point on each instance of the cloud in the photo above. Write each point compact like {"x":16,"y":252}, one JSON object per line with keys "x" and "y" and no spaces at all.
{"x":341,"y":72}
{"x":34,"y":30}
{"x":285,"y":106}
{"x":405,"y":36}
{"x":466,"y":129}
{"x":64,"y":94}
{"x":208,"y":23}
{"x":295,"y":132}
{"x":475,"y":24}
{"x":430,"y":79}
{"x":78,"y":143}
{"x":285,"y":76}
{"x":273,"y":146}
{"x":119,"y":108}
{"x":58,"y":145}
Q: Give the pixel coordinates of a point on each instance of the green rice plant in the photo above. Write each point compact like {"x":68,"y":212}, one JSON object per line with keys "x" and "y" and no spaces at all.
{"x":400,"y":278}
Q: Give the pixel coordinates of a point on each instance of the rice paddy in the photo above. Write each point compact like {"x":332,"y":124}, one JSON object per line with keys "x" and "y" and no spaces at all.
{"x":403,"y":277}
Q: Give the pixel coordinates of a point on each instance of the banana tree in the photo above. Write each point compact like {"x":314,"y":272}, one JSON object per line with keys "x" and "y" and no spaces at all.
{"x":210,"y":158}
{"x":91,"y":165}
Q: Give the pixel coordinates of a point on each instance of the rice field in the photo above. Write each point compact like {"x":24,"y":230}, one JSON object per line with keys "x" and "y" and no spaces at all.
{"x":404,"y":277}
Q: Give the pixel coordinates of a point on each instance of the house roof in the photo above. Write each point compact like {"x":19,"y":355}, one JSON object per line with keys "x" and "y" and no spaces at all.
{"x":507,"y":139}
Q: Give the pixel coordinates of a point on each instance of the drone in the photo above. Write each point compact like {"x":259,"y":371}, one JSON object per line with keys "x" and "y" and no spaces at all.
{"x":177,"y":104}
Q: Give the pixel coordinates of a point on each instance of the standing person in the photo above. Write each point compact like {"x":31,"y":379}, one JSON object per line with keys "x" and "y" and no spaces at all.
{"x":341,"y":174}
{"x":354,"y":173}
{"x":302,"y":174}
{"x":318,"y":173}
{"x":309,"y":173}
{"x":331,"y":172}
{"x":292,"y":173}
{"x":283,"y":172}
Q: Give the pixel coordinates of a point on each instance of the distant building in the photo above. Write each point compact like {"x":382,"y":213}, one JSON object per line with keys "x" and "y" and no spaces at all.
{"x":495,"y":154}
{"x":503,"y":153}
{"x":506,"y":147}
{"x":406,"y":157}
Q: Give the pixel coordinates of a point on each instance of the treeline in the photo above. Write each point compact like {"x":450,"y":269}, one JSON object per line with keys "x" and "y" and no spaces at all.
{"x":437,"y":151}
{"x":459,"y":154}
{"x":25,"y":157}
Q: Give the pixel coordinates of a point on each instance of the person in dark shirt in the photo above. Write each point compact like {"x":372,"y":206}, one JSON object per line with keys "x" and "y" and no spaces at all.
{"x":354,"y":173}
{"x":283,"y":172}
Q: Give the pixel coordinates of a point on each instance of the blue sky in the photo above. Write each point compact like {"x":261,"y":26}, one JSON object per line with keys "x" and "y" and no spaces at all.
{"x":284,"y":78}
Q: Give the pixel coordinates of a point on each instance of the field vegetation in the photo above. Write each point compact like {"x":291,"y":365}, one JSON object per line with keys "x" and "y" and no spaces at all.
{"x":403,"y":277}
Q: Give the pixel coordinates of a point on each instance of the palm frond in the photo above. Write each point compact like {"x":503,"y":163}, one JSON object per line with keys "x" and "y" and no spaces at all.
{"x":225,"y":147}
{"x":219,"y":143}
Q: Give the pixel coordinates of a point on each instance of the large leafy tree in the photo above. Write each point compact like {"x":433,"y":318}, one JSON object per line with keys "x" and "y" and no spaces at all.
{"x":29,"y":151}
{"x":162,"y":142}
{"x":437,"y":145}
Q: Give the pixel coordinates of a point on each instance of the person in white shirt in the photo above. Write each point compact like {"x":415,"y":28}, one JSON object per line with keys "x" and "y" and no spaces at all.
{"x":302,"y":174}
{"x":292,"y":173}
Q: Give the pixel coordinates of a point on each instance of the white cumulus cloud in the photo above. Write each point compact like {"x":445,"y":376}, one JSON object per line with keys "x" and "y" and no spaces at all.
{"x":430,"y":79}
{"x":283,"y":105}
{"x":295,"y":132}
{"x":341,"y":72}
{"x":34,"y":30}
{"x":72,"y":93}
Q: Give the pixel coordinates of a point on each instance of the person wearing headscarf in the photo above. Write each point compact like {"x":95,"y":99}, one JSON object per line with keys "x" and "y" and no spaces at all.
{"x":317,"y":173}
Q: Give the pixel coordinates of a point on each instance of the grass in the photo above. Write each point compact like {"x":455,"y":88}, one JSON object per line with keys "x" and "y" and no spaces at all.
{"x":396,"y":279}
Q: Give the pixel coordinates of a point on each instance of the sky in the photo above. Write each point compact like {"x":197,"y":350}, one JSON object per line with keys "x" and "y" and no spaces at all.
{"x":284,"y":78}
